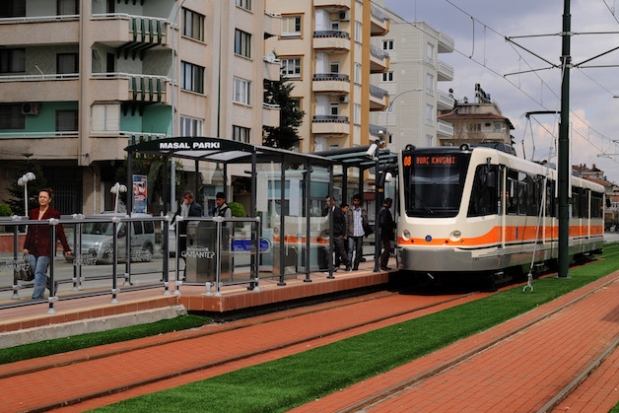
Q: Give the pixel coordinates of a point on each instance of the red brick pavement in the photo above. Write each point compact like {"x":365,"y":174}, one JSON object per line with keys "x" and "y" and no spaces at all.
{"x":517,"y":376}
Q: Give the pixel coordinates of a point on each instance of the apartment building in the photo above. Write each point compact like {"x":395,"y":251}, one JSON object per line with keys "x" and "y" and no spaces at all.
{"x":324,"y":49}
{"x":478,"y":120}
{"x":413,"y":82}
{"x":80,"y":79}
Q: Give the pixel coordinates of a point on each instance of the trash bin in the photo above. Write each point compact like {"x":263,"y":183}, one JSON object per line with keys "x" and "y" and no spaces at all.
{"x":202,"y":252}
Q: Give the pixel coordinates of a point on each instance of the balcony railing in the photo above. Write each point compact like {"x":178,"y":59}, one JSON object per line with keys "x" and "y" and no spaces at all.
{"x":331,"y":76}
{"x":38,"y":78}
{"x":340,"y":34}
{"x":330,"y":119}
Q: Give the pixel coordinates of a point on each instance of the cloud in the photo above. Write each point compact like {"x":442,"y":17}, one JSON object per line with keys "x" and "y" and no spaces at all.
{"x":521,"y":82}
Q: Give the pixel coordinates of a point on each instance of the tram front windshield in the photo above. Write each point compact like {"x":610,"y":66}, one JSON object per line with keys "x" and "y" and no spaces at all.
{"x":433,"y":184}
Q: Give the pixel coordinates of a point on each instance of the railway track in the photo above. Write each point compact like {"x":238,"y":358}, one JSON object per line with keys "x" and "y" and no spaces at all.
{"x":189,"y":352}
{"x":403,"y":392}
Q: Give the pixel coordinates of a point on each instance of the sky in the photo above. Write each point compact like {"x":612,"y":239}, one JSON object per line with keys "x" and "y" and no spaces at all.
{"x":524,"y":74}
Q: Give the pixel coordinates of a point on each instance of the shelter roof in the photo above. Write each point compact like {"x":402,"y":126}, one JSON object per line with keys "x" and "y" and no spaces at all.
{"x":210,"y":149}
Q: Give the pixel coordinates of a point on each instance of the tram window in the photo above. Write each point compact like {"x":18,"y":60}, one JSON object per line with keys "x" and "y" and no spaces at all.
{"x":596,"y":205}
{"x":484,"y":195}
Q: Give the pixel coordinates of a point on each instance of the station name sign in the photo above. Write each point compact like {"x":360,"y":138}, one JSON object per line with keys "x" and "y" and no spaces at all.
{"x":190,"y":145}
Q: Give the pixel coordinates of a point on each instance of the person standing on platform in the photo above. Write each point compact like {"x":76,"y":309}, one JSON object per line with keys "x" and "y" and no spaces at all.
{"x":356,"y":219}
{"x":38,"y":243}
{"x":188,"y":208}
{"x":221,"y":209}
{"x":387,"y":232}
{"x":339,"y":233}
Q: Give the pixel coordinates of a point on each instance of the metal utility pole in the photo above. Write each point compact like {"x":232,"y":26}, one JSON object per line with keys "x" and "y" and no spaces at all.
{"x":564,"y":147}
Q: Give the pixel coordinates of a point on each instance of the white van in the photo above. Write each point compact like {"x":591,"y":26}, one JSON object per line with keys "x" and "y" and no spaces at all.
{"x":97,"y":240}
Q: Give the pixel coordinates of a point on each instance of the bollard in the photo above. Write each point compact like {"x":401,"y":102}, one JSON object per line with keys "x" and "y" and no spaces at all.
{"x":51,"y":301}
{"x":115,"y":292}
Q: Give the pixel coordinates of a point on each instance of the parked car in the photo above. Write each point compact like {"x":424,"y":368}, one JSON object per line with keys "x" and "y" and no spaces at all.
{"x":97,"y":241}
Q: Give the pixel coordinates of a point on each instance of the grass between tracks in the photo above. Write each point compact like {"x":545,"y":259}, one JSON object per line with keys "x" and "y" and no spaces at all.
{"x":282,"y":384}
{"x":64,"y":345}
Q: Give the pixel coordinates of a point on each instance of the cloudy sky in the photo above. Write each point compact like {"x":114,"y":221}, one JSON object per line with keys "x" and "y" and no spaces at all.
{"x":520,"y":77}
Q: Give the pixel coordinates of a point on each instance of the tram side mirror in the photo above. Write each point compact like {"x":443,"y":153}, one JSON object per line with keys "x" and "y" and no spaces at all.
{"x":491,"y":179}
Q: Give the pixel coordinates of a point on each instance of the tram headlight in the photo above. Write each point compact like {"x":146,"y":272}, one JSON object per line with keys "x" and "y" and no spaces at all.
{"x":455,"y":235}
{"x":406,"y":234}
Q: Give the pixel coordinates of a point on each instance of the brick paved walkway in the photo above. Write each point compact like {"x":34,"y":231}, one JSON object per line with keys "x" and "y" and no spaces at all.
{"x":518,"y":376}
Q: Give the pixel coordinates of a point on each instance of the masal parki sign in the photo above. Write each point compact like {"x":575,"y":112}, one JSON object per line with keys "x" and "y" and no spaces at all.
{"x":189,"y":145}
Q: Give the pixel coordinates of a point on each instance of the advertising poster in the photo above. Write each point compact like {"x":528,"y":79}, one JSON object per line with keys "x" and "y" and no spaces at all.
{"x":139,"y":194}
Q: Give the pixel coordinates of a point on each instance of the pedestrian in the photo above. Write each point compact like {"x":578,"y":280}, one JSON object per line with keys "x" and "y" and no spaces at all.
{"x":356,"y":222}
{"x":221,"y":209}
{"x":344,"y":207}
{"x":38,"y":243}
{"x":387,"y":227}
{"x":339,"y":234}
{"x":188,"y":208}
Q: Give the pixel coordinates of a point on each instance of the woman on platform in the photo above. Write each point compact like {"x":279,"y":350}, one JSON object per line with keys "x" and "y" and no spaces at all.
{"x":38,"y":243}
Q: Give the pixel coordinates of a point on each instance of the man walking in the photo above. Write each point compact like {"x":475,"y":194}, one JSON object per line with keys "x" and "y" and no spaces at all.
{"x":387,"y":227}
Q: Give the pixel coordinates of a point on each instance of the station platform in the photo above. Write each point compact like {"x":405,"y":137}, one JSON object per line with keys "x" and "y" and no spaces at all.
{"x":72,"y":316}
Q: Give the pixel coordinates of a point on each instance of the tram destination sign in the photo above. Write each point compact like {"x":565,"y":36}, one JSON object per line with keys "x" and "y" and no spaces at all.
{"x":436,"y":160}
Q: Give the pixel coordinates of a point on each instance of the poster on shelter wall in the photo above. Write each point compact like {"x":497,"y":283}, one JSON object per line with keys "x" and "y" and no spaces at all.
{"x":139,"y":194}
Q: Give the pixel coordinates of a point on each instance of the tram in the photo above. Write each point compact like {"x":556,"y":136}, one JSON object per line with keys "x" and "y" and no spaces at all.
{"x":480,"y":211}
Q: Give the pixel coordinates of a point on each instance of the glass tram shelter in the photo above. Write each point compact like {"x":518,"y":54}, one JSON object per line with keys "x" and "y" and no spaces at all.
{"x":284,"y":232}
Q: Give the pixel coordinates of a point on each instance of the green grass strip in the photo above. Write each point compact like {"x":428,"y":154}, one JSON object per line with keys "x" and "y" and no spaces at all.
{"x":283,"y":384}
{"x":63,"y":345}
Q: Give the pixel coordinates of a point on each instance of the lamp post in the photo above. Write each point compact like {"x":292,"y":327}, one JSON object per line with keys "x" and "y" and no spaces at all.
{"x":117,"y":189}
{"x":23,"y":181}
{"x":391,"y":106}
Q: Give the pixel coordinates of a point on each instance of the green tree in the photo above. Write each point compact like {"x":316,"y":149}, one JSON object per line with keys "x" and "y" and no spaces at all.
{"x":286,"y":135}
{"x":16,"y":201}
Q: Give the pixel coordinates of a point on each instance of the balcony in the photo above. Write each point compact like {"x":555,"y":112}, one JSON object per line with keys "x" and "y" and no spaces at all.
{"x":40,"y":88}
{"x":379,"y":60}
{"x":446,"y":44}
{"x":330,"y":125}
{"x":445,"y":101}
{"x":337,"y":83}
{"x":333,"y":5}
{"x":380,"y":23}
{"x":271,"y":69}
{"x":130,"y":35}
{"x":379,"y":99}
{"x":272,"y":24}
{"x":332,"y":41}
{"x":134,"y":91}
{"x":270,"y":114}
{"x":445,"y":72}
{"x":445,"y":129}
{"x":49,"y":30}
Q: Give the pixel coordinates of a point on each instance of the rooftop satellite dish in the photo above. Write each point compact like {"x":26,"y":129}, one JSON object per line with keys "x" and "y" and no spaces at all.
{"x":270,"y":57}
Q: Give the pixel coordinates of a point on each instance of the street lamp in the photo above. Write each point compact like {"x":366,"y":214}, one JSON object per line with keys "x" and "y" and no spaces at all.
{"x":117,"y":189}
{"x":391,"y":106}
{"x":23,"y":181}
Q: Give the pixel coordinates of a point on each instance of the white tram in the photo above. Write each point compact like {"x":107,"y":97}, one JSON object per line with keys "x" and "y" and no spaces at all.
{"x":484,"y":211}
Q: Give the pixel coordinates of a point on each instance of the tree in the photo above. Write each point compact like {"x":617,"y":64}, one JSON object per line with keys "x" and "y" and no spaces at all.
{"x":16,"y":202}
{"x":286,"y":135}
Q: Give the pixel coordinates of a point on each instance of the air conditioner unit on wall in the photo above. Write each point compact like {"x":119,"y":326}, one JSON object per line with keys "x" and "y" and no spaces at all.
{"x":344,"y":16}
{"x":30,"y":108}
{"x":343,"y":99}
